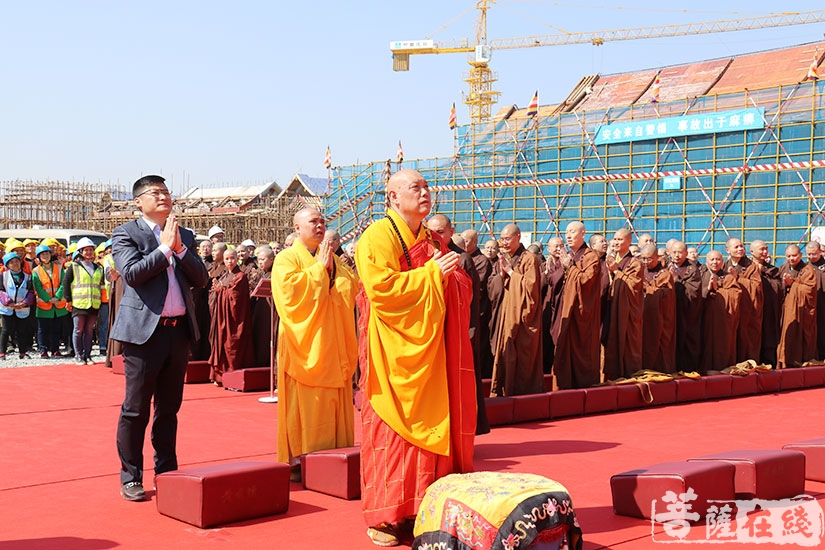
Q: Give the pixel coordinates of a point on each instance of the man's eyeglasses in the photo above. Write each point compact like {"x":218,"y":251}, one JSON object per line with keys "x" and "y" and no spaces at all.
{"x":156,"y":193}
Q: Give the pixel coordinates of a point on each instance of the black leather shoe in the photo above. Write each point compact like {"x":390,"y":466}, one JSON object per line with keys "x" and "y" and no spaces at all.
{"x":133,"y":491}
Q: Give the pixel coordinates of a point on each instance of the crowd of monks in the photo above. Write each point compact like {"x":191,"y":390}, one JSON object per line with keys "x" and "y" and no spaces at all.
{"x":604,"y":311}
{"x":435,"y":313}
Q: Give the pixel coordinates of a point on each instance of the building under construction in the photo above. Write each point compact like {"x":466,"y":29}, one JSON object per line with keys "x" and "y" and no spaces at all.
{"x":262,"y":213}
{"x":701,"y":152}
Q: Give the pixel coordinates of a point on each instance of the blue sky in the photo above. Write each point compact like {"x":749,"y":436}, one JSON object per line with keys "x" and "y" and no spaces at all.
{"x":240,"y":93}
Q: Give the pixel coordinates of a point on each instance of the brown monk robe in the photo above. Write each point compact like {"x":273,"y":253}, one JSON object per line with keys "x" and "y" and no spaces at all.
{"x":230,"y":335}
{"x":687,"y":282}
{"x":441,"y":224}
{"x":484,"y":269}
{"x":200,"y":350}
{"x":623,"y":352}
{"x":215,"y":271}
{"x":261,"y":309}
{"x":797,"y":337}
{"x":722,"y":294}
{"x":814,"y":252}
{"x":600,"y":246}
{"x":773,"y":293}
{"x":751,"y":301}
{"x":659,"y":318}
{"x":517,"y":367}
{"x":495,"y":291}
{"x":552,"y":274}
{"x":115,"y":347}
{"x":577,"y":359}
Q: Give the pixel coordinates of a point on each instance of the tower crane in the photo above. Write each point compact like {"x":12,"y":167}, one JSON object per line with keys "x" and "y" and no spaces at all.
{"x":482,"y":96}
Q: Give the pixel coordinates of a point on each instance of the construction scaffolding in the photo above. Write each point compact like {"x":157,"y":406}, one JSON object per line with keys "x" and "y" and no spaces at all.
{"x":765,"y":182}
{"x":102,"y":207}
{"x":53,"y":204}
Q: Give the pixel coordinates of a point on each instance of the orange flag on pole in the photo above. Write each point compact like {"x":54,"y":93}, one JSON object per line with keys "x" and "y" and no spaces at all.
{"x":400,"y":155}
{"x":328,"y":159}
{"x":654,"y":98}
{"x":533,"y":108}
{"x":452,"y":118}
{"x":812,"y":73}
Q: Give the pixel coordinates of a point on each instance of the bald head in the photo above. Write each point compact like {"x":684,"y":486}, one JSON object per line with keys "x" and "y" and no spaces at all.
{"x":458,"y":240}
{"x":678,"y":253}
{"x":599,"y":244}
{"x":644,"y":240}
{"x":409,"y":195}
{"x":439,"y":223}
{"x":793,"y":255}
{"x":735,"y":248}
{"x":621,"y":242}
{"x":554,"y":247}
{"x":759,"y":252}
{"x":574,"y":235}
{"x":310,"y":227}
{"x":714,"y":261}
{"x":470,"y":237}
{"x":510,"y":236}
{"x":813,"y":250}
{"x":265,"y":255}
{"x":649,"y":255}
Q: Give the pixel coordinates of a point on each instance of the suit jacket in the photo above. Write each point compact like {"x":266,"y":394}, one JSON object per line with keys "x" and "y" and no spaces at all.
{"x":143,"y":268}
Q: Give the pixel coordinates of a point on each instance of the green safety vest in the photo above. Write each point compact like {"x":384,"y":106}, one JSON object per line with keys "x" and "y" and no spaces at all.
{"x":85,"y":287}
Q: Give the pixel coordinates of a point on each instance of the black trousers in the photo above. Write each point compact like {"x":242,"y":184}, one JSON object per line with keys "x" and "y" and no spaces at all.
{"x":21,"y":329}
{"x":156,"y":370}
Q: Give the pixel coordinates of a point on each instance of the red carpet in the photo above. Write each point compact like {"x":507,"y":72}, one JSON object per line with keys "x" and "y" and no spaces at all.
{"x":59,"y":473}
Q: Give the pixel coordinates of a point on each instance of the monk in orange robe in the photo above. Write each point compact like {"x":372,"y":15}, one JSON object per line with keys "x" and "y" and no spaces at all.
{"x":419,"y":413}
{"x":314,"y":293}
{"x":577,"y":361}
{"x":659,"y":318}
{"x":517,"y":369}
{"x":721,"y":293}
{"x":623,"y":352}
{"x":797,"y":339}
{"x":751,"y":301}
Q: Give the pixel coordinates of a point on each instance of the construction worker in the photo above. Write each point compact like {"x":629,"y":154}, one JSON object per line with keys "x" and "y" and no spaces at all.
{"x":31,"y":256}
{"x":13,"y":245}
{"x":51,"y":307}
{"x":82,"y":287}
{"x":16,"y":299}
{"x":104,"y":256}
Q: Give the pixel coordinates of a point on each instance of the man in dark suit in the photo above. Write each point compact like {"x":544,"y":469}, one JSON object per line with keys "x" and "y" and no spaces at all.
{"x":155,"y":322}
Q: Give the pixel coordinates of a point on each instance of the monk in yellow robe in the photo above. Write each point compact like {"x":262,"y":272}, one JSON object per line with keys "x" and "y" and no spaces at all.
{"x":314,"y":295}
{"x":419,"y":412}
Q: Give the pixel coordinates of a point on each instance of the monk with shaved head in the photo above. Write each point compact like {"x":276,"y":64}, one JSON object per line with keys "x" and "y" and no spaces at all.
{"x":314,"y":294}
{"x":517,"y":367}
{"x":797,"y":337}
{"x":419,"y":411}
{"x":623,"y":352}
{"x":721,"y":292}
{"x":659,"y":319}
{"x":442,"y":225}
{"x":749,"y":331}
{"x":687,"y":283}
{"x":484,"y":269}
{"x":813,"y":250}
{"x":577,"y":358}
{"x":773,"y":294}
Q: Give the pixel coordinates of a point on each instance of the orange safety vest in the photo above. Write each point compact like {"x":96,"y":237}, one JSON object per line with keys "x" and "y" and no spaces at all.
{"x":50,"y":284}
